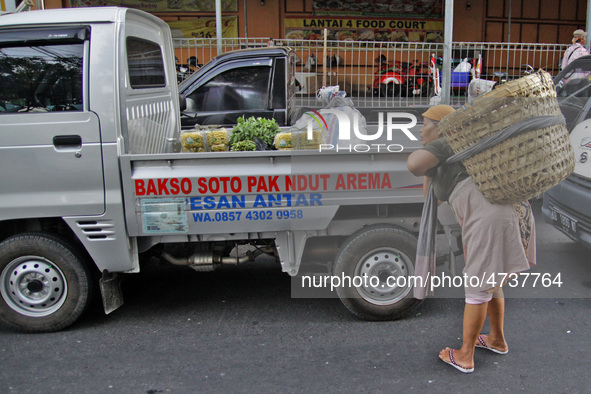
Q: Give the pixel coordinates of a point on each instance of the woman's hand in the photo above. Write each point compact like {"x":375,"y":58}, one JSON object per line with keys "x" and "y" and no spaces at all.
{"x":421,"y":161}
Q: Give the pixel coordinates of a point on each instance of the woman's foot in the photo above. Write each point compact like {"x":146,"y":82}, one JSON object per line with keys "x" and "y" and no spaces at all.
{"x":485,"y":342}
{"x":457,"y":359}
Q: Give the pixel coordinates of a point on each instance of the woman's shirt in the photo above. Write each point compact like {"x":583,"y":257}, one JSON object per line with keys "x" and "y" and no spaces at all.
{"x":445,"y":176}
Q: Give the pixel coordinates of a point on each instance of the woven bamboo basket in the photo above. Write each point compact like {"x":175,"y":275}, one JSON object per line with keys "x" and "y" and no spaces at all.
{"x":523,"y":166}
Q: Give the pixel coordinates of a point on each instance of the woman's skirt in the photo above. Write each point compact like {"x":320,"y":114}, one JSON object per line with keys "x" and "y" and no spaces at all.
{"x":498,"y":239}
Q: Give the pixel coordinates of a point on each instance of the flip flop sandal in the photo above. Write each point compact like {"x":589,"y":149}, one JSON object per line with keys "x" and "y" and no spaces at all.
{"x":483,"y":345}
{"x":457,"y":366}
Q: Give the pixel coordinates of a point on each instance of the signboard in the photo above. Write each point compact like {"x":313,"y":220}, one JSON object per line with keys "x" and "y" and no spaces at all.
{"x":204,"y":28}
{"x":425,"y":9}
{"x":365,"y":29}
{"x":161,"y":5}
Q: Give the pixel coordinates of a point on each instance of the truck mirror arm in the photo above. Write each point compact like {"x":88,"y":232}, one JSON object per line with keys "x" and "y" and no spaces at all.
{"x":188,"y":115}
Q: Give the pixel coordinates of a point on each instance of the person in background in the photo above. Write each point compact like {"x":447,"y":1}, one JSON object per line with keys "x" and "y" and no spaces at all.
{"x":498,"y":240}
{"x":577,"y":49}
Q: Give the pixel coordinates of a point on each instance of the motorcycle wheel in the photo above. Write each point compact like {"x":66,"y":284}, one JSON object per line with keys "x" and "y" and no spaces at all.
{"x":426,"y":89}
{"x":389,"y":90}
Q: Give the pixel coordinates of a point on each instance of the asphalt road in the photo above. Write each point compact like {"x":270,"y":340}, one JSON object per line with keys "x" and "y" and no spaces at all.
{"x":238,"y":330}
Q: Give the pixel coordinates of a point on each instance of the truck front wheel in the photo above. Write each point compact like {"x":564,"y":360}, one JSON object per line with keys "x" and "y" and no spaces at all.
{"x":375,"y":265}
{"x":44,"y":283}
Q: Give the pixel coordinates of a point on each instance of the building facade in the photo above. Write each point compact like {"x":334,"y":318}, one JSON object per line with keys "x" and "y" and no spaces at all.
{"x":529,"y":21}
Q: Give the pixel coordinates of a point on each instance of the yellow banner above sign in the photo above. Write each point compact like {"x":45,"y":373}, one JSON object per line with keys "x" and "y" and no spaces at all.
{"x":162,"y":5}
{"x":204,"y":28}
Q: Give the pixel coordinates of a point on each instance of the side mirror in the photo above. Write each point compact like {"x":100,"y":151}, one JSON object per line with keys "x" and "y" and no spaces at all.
{"x":182,"y":102}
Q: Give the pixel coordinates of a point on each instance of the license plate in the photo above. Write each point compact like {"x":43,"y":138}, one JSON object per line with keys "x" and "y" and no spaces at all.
{"x":564,"y":221}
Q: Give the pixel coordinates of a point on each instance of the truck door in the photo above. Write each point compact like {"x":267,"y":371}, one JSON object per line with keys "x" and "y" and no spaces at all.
{"x":50,"y":151}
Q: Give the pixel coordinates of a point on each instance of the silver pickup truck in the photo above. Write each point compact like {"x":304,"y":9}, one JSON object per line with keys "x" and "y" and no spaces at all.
{"x":93,"y":180}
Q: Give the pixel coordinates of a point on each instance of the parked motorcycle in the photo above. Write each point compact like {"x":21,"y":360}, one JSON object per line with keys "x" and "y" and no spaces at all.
{"x":401,"y":78}
{"x":387,"y":79}
{"x":417,"y":81}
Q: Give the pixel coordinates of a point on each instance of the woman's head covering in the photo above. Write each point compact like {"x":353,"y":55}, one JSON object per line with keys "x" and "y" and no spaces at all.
{"x":579,"y":35}
{"x":438,"y":112}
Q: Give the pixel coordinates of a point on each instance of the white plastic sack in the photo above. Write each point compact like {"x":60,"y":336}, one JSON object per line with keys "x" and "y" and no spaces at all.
{"x":327,"y":93}
{"x":478,"y":87}
{"x":342,"y":103}
{"x":310,"y":63}
{"x":329,"y":125}
{"x":463,"y":67}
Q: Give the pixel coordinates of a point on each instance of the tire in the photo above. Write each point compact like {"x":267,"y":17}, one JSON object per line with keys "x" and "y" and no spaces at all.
{"x":425,"y":89}
{"x":44,"y":284}
{"x":379,"y":251}
{"x":389,"y":90}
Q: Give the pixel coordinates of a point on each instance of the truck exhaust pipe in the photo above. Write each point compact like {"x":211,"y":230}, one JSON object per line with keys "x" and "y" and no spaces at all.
{"x":204,"y":261}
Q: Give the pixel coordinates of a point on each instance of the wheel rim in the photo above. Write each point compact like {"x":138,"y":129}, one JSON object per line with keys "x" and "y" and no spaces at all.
{"x":382,"y":264}
{"x":33,"y":286}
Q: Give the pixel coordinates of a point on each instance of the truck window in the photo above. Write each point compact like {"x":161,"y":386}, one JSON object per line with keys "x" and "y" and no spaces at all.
{"x":573,"y":91}
{"x":279,"y":84}
{"x":41,"y":78}
{"x":244,"y":88}
{"x":145,"y":63}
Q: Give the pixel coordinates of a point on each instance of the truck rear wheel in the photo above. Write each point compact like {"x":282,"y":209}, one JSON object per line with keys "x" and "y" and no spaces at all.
{"x":44,"y":284}
{"x":379,"y":260}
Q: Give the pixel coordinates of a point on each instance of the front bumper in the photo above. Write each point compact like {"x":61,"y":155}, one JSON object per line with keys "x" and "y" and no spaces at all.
{"x":567,"y":206}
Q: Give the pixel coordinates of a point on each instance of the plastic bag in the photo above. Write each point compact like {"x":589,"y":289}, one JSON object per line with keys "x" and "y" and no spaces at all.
{"x":206,"y":139}
{"x":310,"y":63}
{"x":334,"y":61}
{"x":327,"y":93}
{"x":296,"y":139}
{"x":260,"y":144}
{"x":356,"y":119}
{"x":478,"y":87}
{"x":324,"y":129}
{"x":464,"y":66}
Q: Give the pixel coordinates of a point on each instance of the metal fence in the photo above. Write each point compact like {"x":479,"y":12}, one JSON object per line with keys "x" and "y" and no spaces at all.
{"x":359,"y":67}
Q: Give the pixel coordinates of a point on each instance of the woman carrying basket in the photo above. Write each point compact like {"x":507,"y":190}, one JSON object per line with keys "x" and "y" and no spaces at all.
{"x":498,"y":240}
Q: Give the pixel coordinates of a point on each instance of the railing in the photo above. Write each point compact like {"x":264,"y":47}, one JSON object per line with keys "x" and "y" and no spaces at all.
{"x":356,"y":67}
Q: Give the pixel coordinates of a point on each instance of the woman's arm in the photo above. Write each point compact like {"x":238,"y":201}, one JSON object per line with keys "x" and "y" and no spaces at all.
{"x":421,"y":161}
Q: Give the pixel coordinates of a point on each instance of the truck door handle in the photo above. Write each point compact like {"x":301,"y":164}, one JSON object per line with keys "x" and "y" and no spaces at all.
{"x":67,"y":141}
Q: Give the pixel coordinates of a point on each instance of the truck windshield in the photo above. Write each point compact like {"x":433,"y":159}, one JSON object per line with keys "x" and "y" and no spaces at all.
{"x":41,"y":78}
{"x":573,"y":88}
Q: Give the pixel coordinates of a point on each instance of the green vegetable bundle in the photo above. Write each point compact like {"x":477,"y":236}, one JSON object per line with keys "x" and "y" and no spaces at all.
{"x":248,"y":129}
{"x":244,"y":146}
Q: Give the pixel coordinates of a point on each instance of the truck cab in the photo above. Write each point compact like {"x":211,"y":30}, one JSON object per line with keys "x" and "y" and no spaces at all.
{"x":567,"y":206}
{"x":78,"y":88}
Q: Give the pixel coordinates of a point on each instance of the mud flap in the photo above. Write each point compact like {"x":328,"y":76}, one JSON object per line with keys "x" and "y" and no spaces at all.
{"x":111,"y":292}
